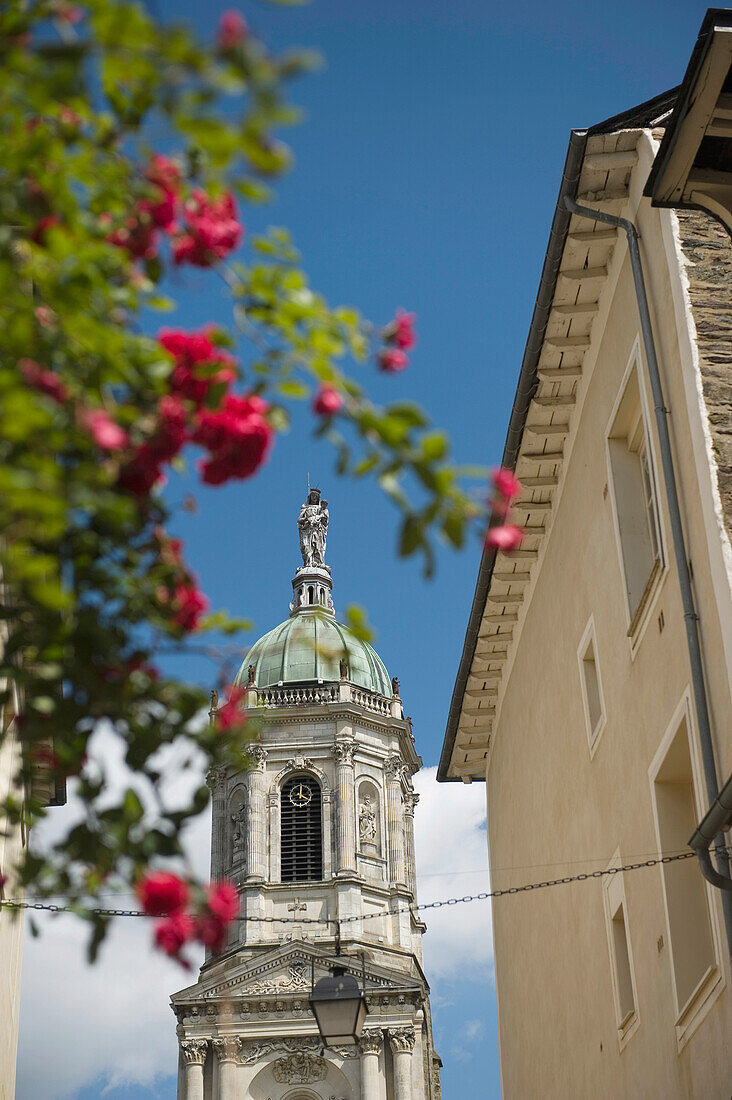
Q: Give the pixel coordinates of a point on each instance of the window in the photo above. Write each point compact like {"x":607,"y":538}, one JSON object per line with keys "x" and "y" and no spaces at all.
{"x":301,"y":830}
{"x":591,"y":687}
{"x":621,"y":962}
{"x":691,"y":939}
{"x":635,"y":499}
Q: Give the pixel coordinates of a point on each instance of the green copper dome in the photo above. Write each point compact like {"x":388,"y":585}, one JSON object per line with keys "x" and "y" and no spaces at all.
{"x":310,"y":646}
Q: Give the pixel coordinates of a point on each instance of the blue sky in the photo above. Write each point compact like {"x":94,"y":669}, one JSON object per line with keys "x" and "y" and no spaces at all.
{"x":426,"y":177}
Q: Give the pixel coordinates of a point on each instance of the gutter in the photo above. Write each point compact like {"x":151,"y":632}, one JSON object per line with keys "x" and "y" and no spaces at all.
{"x":717,"y":819}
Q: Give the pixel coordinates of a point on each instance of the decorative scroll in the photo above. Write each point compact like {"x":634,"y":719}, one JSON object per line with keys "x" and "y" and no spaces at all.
{"x":253,"y":1052}
{"x":295,"y":981}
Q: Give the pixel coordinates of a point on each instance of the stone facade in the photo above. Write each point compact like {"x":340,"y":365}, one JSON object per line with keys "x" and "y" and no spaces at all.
{"x":245,"y":1027}
{"x":707,"y":250}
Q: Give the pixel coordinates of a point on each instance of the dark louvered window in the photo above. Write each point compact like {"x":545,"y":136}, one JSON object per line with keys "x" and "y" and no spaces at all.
{"x":302,"y":833}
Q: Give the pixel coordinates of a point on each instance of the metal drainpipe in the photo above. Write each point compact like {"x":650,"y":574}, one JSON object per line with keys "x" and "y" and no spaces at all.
{"x":691,"y":618}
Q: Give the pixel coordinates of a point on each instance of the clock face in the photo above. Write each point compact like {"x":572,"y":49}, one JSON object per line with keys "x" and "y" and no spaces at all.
{"x":301,"y":794}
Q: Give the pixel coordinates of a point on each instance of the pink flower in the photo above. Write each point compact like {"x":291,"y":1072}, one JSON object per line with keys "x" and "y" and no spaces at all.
{"x":232,"y":30}
{"x":223,"y":901}
{"x":188,"y":605}
{"x":70,"y":13}
{"x":164,"y":172}
{"x":45,"y":316}
{"x":212,"y":230}
{"x":327,"y":401}
{"x":237,"y":437}
{"x":138,"y":236}
{"x":230,"y":714}
{"x":144,"y":469}
{"x":195,"y":355}
{"x":506,"y":483}
{"x":45,"y":381}
{"x":392,"y":360}
{"x":106,"y":434}
{"x":211,"y":932}
{"x":161,"y":893}
{"x":173,"y":933}
{"x":400,"y":331}
{"x":38,"y":234}
{"x":507,"y":537}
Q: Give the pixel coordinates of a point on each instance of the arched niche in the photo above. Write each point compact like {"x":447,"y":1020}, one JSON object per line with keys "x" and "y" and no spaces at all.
{"x":370,"y":830}
{"x":311,"y":1077}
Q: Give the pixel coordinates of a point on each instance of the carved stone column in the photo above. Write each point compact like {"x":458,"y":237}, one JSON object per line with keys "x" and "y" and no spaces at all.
{"x":216,"y":781}
{"x":411,"y":798}
{"x":227,"y":1054}
{"x":346,"y":808}
{"x":402,"y":1041}
{"x":394,"y":769}
{"x":257,"y":832}
{"x":194,"y":1055}
{"x":371,"y":1044}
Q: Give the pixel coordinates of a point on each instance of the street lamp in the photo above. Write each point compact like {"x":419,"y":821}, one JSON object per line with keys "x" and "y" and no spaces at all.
{"x":339,"y":1004}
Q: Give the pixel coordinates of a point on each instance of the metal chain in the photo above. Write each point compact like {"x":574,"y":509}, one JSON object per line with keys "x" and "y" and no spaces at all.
{"x":50,"y":908}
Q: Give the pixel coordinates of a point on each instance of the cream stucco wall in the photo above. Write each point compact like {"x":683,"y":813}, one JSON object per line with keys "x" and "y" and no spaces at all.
{"x":552,"y":808}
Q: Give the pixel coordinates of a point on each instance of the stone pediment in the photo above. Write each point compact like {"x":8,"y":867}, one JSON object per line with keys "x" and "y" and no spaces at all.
{"x":285,"y":971}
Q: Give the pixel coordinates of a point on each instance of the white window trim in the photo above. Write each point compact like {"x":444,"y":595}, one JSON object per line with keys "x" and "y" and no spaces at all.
{"x":629,"y":1024}
{"x":639,"y":622}
{"x":593,"y":735}
{"x":690,"y":1015}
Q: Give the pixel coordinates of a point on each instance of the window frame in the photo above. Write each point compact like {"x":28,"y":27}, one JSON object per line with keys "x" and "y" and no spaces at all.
{"x":689,"y":1015}
{"x":589,"y":637}
{"x":315,"y":782}
{"x":642,"y":443}
{"x":614,"y":899}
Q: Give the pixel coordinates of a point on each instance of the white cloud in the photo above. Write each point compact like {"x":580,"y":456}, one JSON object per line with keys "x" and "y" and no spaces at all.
{"x":112,"y":1022}
{"x":451,"y":844}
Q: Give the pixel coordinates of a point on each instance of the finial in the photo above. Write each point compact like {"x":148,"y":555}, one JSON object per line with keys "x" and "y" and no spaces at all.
{"x":214,"y":704}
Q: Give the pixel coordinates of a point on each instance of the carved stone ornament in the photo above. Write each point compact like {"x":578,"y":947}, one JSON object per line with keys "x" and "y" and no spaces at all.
{"x":255,"y":1051}
{"x":402,"y":1039}
{"x":299,"y":1069}
{"x":297,"y":763}
{"x":344,"y":752}
{"x":228,"y":1049}
{"x":394,"y":766}
{"x":194,"y":1051}
{"x":372,"y":1041}
{"x":295,"y":981}
{"x":216,"y":778}
{"x":258,"y":755}
{"x":312,"y":525}
{"x":367,"y":822}
{"x":411,"y":798}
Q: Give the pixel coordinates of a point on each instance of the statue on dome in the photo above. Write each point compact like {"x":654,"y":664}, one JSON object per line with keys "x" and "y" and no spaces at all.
{"x":313,"y":525}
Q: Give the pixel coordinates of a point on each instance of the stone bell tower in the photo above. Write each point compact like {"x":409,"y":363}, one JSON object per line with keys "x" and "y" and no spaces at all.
{"x":320,"y":829}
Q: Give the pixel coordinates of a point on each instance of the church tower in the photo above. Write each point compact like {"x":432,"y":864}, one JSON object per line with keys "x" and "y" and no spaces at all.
{"x":319,"y":830}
